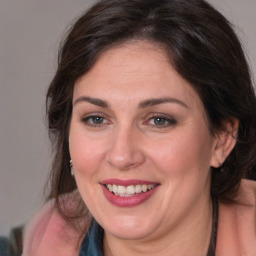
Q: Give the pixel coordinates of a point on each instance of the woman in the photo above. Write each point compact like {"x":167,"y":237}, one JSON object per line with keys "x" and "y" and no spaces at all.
{"x":152,"y":115}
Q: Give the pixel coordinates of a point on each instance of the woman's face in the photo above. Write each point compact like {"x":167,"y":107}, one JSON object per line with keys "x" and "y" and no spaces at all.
{"x":140,"y":130}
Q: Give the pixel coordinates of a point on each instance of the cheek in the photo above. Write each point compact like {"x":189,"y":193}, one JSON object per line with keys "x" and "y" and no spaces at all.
{"x":183,"y":152}
{"x":86,"y":153}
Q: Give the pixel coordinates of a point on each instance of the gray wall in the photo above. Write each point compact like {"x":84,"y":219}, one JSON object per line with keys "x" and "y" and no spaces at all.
{"x":30,"y":32}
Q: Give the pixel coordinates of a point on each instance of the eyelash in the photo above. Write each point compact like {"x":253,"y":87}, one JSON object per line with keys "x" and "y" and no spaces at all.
{"x":86,"y":120}
{"x":166,"y":121}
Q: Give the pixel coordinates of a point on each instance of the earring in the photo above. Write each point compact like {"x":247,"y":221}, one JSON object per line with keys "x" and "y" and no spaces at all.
{"x":221,"y":169}
{"x":71,"y":168}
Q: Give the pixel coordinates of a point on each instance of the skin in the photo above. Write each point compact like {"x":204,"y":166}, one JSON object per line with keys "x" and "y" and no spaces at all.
{"x":127,"y":141}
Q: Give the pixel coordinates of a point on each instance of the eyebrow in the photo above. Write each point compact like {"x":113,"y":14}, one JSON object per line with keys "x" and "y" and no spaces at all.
{"x":157,"y":101}
{"x":143,"y":104}
{"x":94,"y":101}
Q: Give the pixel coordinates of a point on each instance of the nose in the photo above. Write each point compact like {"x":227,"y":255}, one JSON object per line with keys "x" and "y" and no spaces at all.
{"x":125,"y":151}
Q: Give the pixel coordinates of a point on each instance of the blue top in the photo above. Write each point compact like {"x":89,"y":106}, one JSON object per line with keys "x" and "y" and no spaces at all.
{"x":93,"y":241}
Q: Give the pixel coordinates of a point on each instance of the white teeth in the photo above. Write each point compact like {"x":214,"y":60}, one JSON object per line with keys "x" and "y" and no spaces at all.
{"x":114,"y":188}
{"x":150,"y":187}
{"x":129,"y":190}
{"x":138,"y":189}
{"x":144,"y":188}
{"x":110,"y":187}
{"x":121,"y":189}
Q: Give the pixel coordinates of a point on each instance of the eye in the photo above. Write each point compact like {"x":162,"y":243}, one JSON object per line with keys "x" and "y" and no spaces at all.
{"x":95,"y":120}
{"x":161,"y":121}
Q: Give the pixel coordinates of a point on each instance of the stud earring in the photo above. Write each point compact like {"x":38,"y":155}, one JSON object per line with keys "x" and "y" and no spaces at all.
{"x":71,"y":168}
{"x":221,"y":169}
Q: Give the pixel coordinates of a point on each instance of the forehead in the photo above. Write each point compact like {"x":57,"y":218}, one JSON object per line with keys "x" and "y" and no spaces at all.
{"x":135,"y":71}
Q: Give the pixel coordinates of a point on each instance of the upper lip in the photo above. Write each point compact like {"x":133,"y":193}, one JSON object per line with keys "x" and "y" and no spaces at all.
{"x":127,"y":182}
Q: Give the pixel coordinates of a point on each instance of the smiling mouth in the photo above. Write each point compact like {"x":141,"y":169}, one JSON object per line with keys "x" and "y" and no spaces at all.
{"x":131,"y":190}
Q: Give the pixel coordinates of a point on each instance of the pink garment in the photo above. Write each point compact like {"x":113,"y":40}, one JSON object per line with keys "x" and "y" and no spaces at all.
{"x":236,"y":234}
{"x":49,"y":235}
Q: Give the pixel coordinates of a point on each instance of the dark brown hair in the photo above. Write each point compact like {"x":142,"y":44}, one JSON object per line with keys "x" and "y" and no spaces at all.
{"x":202,"y":47}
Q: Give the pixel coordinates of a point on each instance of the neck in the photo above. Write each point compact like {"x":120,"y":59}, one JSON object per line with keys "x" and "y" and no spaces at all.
{"x":191,"y":235}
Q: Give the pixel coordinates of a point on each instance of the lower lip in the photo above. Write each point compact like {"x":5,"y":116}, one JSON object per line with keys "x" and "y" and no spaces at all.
{"x":129,"y":201}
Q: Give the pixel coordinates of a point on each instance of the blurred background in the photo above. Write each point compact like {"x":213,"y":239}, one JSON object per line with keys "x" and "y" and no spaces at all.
{"x":30,"y":33}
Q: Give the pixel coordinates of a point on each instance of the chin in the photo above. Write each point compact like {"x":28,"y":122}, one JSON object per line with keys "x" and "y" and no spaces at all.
{"x":129,"y":228}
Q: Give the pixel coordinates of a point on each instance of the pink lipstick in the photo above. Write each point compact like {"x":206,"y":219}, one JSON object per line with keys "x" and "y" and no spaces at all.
{"x":128,"y":193}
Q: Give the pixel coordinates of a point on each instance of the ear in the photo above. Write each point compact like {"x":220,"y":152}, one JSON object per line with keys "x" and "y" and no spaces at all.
{"x":225,"y":141}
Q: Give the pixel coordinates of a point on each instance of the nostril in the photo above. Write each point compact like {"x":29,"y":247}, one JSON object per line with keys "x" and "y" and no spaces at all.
{"x":125,"y":161}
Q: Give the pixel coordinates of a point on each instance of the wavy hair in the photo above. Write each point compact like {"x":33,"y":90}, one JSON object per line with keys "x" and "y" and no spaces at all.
{"x":202,"y":47}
